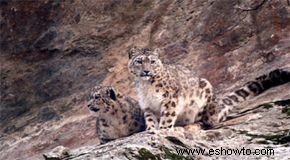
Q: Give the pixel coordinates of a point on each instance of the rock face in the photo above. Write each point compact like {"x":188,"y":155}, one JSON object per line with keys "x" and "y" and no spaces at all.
{"x":53,"y":51}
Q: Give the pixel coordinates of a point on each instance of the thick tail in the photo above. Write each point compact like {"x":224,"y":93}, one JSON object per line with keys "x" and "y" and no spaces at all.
{"x":251,"y":89}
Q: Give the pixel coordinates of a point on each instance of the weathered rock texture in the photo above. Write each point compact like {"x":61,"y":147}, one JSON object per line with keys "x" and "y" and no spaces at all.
{"x":52,"y":51}
{"x":262,"y":127}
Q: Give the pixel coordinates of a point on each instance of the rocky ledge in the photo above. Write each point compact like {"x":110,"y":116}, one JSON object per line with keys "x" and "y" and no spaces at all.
{"x":261,"y":130}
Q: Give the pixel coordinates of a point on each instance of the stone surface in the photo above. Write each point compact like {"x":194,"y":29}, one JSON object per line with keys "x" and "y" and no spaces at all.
{"x":52,"y":51}
{"x":59,"y":152}
{"x":269,"y":130}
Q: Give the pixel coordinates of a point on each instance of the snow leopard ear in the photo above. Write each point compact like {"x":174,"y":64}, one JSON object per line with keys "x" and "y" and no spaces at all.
{"x":133,"y":52}
{"x":93,"y":91}
{"x":156,"y":52}
{"x":112,"y":93}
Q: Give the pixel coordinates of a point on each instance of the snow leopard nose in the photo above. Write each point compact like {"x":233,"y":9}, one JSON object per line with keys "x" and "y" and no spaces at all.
{"x":93,"y":108}
{"x":146,"y":73}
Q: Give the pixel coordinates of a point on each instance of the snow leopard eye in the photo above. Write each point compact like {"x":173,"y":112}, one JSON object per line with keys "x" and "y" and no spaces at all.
{"x":138,"y":61}
{"x":153,"y":62}
{"x":97,"y":96}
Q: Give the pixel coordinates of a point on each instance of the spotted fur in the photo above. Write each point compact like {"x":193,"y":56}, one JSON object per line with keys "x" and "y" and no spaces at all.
{"x":169,"y":95}
{"x":220,"y":108}
{"x":172,"y":95}
{"x":117,"y":115}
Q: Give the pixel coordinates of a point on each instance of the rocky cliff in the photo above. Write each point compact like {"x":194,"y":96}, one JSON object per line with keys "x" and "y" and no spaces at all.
{"x":52,"y":51}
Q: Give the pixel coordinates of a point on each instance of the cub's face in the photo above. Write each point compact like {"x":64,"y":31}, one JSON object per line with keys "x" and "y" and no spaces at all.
{"x":144,"y":63}
{"x":102,"y":98}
